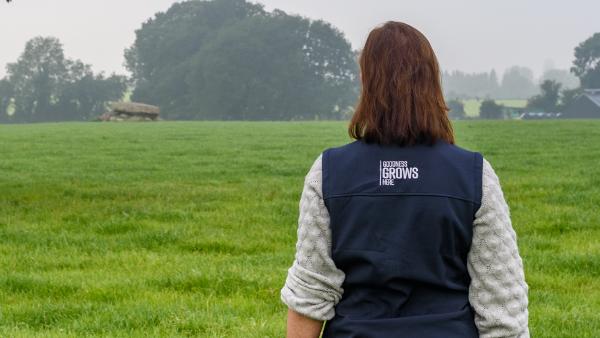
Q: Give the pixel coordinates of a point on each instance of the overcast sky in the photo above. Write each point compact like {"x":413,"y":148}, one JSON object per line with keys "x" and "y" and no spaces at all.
{"x":469,"y":35}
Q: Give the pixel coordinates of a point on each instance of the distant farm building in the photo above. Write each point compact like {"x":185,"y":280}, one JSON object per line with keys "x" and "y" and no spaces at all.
{"x":585,"y":106}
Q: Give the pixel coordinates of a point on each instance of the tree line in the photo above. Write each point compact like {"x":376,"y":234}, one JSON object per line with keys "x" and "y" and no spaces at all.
{"x":221,"y":59}
{"x":43,"y":85}
{"x":557,"y":88}
{"x":516,"y":83}
{"x":233,"y":60}
{"x":551,"y":99}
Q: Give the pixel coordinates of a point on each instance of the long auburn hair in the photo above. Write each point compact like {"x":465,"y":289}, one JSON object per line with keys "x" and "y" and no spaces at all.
{"x":401,"y":99}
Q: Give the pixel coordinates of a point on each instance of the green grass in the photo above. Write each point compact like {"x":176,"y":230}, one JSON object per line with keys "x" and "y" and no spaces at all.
{"x":472,"y":106}
{"x":187,"y":229}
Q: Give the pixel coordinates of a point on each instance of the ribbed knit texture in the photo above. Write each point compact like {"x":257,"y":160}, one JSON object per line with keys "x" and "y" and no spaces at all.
{"x":498,"y":291}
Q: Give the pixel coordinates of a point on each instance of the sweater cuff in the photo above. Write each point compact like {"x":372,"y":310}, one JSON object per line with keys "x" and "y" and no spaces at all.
{"x":310,"y":294}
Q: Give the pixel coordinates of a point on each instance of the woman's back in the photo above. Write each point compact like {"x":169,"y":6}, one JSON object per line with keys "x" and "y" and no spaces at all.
{"x":401,"y":227}
{"x":401,"y":233}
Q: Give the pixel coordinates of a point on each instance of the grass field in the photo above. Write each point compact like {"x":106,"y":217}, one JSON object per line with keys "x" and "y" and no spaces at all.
{"x":472,"y":106}
{"x":187,"y":229}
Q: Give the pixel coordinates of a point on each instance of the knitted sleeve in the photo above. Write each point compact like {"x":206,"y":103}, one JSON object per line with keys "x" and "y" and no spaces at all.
{"x":498,"y":291}
{"x":314,"y":285}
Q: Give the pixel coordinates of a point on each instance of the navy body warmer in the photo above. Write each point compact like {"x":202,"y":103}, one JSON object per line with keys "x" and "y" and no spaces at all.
{"x":401,"y":221}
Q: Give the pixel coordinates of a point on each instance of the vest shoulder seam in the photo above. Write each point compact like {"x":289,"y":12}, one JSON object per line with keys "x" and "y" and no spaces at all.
{"x":383,"y":194}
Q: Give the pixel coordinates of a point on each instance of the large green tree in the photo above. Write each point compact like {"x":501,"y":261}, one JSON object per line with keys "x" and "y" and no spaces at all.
{"x":587,"y":62}
{"x":230,"y":59}
{"x":43,"y":85}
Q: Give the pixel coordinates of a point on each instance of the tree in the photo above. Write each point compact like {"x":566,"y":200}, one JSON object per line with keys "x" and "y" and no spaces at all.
{"x":457,"y":109}
{"x":517,"y":83}
{"x":85,"y":94}
{"x":493,"y":83}
{"x":5,"y":98}
{"x":562,"y":76}
{"x":43,"y":85}
{"x":230,"y":59}
{"x":36,"y":78}
{"x":458,"y":84}
{"x":587,"y":62}
{"x":568,"y":96}
{"x":547,"y":101}
{"x":491,"y":110}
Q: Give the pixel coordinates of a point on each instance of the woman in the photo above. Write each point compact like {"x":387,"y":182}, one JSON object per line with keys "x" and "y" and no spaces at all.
{"x":401,"y":233}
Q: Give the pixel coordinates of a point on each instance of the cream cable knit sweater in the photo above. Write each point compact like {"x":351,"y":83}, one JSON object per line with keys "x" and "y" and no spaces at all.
{"x":498,"y":291}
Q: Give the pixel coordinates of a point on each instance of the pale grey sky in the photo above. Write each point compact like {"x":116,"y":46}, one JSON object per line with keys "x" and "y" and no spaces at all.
{"x":469,"y":35}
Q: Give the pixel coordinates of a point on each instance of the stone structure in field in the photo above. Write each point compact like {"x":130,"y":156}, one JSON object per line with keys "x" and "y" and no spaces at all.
{"x":131,"y":111}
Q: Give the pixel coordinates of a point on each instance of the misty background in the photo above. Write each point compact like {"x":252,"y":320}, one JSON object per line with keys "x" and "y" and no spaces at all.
{"x":500,"y":51}
{"x":467,"y":35}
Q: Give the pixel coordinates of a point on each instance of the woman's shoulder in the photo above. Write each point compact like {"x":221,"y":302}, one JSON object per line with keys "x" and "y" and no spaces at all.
{"x":317,"y":165}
